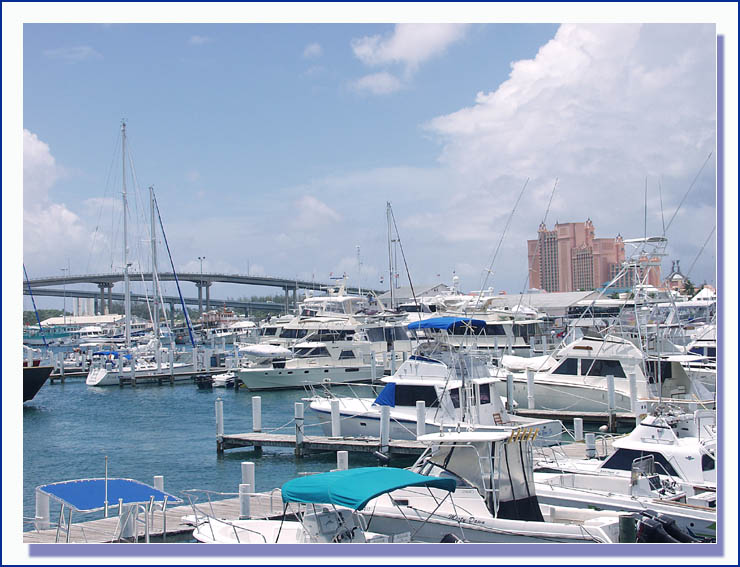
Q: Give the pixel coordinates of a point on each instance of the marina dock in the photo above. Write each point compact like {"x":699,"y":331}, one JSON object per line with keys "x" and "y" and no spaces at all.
{"x":170,"y":526}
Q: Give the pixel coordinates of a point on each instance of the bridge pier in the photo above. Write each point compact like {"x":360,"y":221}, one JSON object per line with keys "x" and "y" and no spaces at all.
{"x":103,"y":309}
{"x":208,"y":296}
{"x":286,"y":300}
{"x":199,"y":285}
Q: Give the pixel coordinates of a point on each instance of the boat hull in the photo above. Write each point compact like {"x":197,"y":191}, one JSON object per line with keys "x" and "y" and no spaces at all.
{"x":34,"y":377}
{"x":294,"y":378}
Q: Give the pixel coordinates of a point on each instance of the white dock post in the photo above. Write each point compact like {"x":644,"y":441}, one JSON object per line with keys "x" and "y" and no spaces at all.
{"x":393,"y":362}
{"x":299,"y":429}
{"x":219,"y":424}
{"x":159,"y":482}
{"x":590,"y":445}
{"x":373,"y":369}
{"x":421,"y":418}
{"x":530,"y":388}
{"x":42,"y":511}
{"x":633,"y":397}
{"x":207,"y":360}
{"x":336,"y":424}
{"x":385,"y":428}
{"x":578,"y":428}
{"x":342,"y":460}
{"x":132,"y":363}
{"x":244,"y":512}
{"x":256,"y":414}
{"x":611,"y":403}
{"x":510,"y":392}
{"x":248,"y":474}
{"x":171,"y":361}
{"x":128,"y":513}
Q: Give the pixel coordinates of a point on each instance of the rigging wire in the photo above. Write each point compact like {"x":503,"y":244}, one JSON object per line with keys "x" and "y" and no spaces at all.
{"x":700,"y":251}
{"x":498,"y":246}
{"x":688,"y":191}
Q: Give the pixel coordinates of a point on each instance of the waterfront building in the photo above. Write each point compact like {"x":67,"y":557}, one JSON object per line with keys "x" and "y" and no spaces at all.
{"x":571,"y":258}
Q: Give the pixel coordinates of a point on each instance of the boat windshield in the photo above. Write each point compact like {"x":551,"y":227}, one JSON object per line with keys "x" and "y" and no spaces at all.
{"x":310,"y":352}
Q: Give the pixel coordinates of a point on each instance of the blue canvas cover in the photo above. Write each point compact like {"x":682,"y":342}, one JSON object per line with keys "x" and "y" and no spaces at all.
{"x":387,"y":396}
{"x":353,"y":488}
{"x":448,"y":323}
{"x":88,"y":495}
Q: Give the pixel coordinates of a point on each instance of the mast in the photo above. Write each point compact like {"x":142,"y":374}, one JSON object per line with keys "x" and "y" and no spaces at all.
{"x":390,"y":252}
{"x":126,"y":281}
{"x":155,"y":274}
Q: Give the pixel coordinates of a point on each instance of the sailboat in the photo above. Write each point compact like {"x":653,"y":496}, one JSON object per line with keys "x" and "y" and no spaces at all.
{"x":109,"y":368}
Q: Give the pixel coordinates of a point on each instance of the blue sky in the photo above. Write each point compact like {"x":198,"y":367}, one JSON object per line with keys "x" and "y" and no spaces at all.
{"x":276,"y":146}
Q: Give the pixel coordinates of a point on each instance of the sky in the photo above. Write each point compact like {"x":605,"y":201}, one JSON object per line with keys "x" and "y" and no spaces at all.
{"x":273,"y":148}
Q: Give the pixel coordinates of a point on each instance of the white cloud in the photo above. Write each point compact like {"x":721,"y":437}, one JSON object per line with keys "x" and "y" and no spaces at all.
{"x":312,"y":51}
{"x":409,"y":44}
{"x":51,"y":232}
{"x":378,"y":83}
{"x":73,"y":54}
{"x":601,"y":107}
{"x":199,"y":40}
{"x":313,"y":213}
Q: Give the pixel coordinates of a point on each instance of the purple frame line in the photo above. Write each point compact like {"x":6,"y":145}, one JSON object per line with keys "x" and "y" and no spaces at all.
{"x":474,"y":549}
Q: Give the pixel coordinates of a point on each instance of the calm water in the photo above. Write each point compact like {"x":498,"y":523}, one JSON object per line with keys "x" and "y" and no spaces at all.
{"x":151,"y":430}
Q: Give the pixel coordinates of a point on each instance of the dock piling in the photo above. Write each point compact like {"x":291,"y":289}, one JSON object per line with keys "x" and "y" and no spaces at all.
{"x":385,"y":428}
{"x":336,"y":423}
{"x":248,"y":473}
{"x":42,"y":511}
{"x":219,"y":425}
{"x":611,"y":403}
{"x":244,"y":491}
{"x":530,"y":388}
{"x":421,"y":418}
{"x":159,"y":482}
{"x":510,"y":392}
{"x":578,"y":428}
{"x":257,"y":413}
{"x":342,"y":460}
{"x":299,"y":429}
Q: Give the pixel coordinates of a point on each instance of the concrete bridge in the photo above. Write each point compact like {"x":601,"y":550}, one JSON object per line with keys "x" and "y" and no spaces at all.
{"x":105,"y":283}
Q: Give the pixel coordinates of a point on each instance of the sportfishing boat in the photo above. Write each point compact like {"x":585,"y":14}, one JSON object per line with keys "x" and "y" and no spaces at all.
{"x":321,"y":508}
{"x":494,"y":501}
{"x":683,"y":447}
{"x":574,"y":378}
{"x":455,"y":386}
{"x":34,"y":377}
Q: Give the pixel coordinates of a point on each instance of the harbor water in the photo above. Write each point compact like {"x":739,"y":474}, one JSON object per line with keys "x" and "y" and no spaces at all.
{"x":69,"y":429}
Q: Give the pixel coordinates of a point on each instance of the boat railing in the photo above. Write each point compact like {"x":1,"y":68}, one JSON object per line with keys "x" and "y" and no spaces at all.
{"x":254,"y":504}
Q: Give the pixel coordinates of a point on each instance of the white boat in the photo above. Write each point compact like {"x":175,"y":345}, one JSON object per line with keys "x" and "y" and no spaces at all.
{"x":682,"y":446}
{"x":575,"y":377}
{"x":494,"y":501}
{"x":313,"y":363}
{"x":456,"y":387}
{"x":224,"y":380}
{"x":643,"y":490}
{"x":326,"y":508}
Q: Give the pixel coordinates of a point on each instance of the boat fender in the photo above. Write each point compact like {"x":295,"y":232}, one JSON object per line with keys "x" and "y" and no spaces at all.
{"x":451,"y":538}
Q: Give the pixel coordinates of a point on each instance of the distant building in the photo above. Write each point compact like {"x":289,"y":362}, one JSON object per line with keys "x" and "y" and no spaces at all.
{"x":571,"y":258}
{"x":675,"y":280}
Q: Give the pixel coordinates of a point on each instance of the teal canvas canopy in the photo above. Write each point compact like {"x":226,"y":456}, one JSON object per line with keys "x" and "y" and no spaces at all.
{"x":354,"y":488}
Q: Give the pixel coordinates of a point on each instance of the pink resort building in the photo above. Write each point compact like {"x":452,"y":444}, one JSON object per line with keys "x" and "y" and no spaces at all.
{"x":571,"y":258}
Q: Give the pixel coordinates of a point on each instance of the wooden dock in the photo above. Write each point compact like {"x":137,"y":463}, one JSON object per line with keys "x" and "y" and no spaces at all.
{"x":317,"y":444}
{"x":621,"y":417}
{"x":178,"y":522}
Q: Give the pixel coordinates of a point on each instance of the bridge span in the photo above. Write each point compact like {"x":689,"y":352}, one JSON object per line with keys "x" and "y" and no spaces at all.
{"x":105,"y":283}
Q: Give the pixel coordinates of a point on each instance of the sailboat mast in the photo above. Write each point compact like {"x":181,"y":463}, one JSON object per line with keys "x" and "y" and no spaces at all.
{"x":390,"y":252}
{"x":155,"y":274}
{"x":126,"y":281}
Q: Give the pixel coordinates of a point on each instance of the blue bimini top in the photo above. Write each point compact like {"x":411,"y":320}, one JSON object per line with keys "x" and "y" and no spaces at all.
{"x":448,"y":323}
{"x":354,"y":488}
{"x":88,"y":495}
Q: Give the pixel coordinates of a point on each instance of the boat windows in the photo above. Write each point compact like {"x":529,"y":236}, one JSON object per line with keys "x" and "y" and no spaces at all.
{"x":455,"y":397}
{"x":665,"y":370}
{"x":484,"y":394}
{"x":386,"y":334}
{"x":293,"y":333}
{"x":567,"y":366}
{"x":345,"y":354}
{"x":622,"y":460}
{"x":492,"y":329}
{"x":602,"y":367}
{"x":707,"y":463}
{"x":269,"y":331}
{"x":310,"y":352}
{"x":408,"y":395}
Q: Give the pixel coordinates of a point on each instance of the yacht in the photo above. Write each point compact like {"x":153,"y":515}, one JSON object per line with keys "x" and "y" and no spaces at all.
{"x":574,"y":378}
{"x":494,"y":500}
{"x":455,"y":385}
